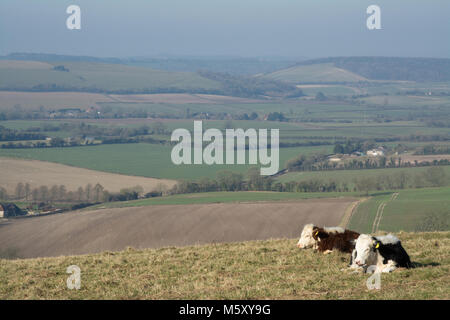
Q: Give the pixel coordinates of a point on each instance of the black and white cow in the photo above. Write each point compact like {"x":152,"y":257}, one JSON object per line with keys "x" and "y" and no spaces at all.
{"x":386,"y":253}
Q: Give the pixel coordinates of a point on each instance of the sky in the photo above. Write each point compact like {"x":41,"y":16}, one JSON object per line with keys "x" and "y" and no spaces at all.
{"x":244,"y":28}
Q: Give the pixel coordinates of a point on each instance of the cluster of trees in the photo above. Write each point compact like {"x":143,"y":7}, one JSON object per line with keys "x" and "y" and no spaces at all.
{"x":276,"y":116}
{"x":353,"y":146}
{"x":56,"y":193}
{"x":59,"y":193}
{"x":7,"y":134}
{"x":226,"y":181}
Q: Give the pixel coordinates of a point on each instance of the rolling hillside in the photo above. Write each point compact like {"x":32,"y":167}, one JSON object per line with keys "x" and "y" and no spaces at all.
{"x":273,"y":269}
{"x":97,"y":77}
{"x":315,"y":73}
{"x":354,"y":69}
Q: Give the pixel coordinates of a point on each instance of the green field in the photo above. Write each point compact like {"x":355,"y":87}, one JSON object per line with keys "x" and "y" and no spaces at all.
{"x":427,"y":208}
{"x":349,"y":176}
{"x":225,"y":197}
{"x":139,"y":159}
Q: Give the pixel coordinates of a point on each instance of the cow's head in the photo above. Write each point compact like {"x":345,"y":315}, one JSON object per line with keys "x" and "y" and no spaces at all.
{"x":366,"y":250}
{"x":306,"y":239}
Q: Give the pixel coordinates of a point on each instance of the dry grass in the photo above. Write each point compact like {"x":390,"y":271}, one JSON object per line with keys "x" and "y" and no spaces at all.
{"x":273,"y":269}
{"x":38,"y":173}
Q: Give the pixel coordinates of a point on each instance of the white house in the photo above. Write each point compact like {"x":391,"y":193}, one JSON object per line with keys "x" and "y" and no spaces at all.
{"x":375,"y":153}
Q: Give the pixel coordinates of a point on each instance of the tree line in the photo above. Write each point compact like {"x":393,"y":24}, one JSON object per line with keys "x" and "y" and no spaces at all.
{"x":91,"y":193}
{"x":232,"y":181}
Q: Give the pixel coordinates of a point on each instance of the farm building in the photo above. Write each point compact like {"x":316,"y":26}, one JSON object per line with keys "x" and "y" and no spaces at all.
{"x":375,"y":152}
{"x":10,"y":210}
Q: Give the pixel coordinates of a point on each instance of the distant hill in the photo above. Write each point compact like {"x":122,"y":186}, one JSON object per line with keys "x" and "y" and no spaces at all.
{"x":232,"y":65}
{"x":354,"y":69}
{"x":315,"y":73}
{"x":100,"y":77}
{"x":97,"y":77}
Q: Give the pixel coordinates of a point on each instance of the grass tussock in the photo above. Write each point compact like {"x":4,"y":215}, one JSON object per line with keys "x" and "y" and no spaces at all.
{"x":274,"y":269}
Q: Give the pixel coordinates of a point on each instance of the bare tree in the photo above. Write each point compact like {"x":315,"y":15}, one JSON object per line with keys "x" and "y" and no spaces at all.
{"x":98,"y":192}
{"x":88,"y":192}
{"x":44,"y":193}
{"x":80,"y":193}
{"x":35,"y":194}
{"x":27,"y":191}
{"x":53,"y":193}
{"x":19,"y":190}
{"x":62,"y":192}
{"x":3,"y":194}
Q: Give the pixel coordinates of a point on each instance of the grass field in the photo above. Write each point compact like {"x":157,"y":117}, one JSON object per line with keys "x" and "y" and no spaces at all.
{"x":274,"y":269}
{"x":349,"y":176}
{"x":226,"y":197}
{"x":407,"y":211}
{"x":147,"y":160}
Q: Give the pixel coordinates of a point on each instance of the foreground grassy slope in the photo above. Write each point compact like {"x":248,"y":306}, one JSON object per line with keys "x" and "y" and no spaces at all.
{"x":274,"y":269}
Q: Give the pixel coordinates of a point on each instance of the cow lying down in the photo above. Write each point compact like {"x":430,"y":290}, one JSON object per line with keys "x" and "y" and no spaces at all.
{"x":327,"y":239}
{"x":383,"y":253}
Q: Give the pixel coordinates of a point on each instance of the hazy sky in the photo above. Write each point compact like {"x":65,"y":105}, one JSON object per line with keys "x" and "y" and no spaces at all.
{"x":293,"y":28}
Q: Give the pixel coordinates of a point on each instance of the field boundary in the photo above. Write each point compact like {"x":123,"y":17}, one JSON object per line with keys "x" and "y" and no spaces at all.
{"x":351,"y":209}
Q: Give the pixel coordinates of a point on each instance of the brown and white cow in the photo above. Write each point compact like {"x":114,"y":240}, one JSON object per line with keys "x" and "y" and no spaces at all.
{"x":327,"y":239}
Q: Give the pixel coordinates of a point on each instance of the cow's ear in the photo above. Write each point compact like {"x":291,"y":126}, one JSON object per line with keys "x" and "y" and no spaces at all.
{"x":315,"y":234}
{"x":376,"y":245}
